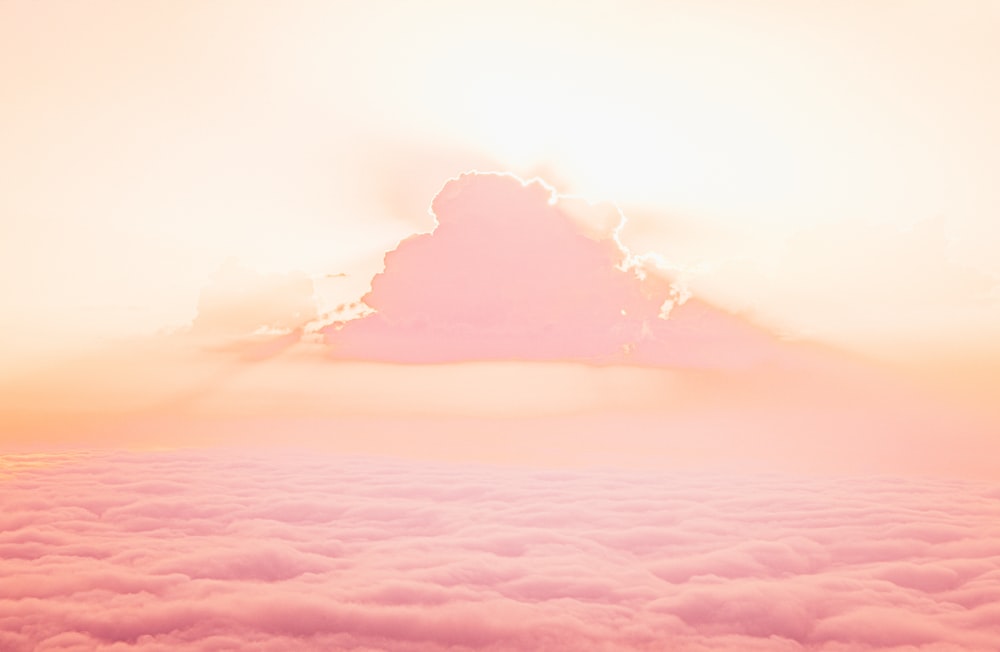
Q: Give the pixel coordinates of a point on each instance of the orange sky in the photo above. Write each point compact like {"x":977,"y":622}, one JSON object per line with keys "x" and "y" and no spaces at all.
{"x":825,"y":169}
{"x":520,"y":330}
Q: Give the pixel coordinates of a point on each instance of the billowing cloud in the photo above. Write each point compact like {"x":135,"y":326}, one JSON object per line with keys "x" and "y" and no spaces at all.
{"x":217,"y":550}
{"x":513,"y":271}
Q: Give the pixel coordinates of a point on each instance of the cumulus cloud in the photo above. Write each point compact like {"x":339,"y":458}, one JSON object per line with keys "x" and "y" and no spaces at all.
{"x":513,"y":271}
{"x":217,"y":550}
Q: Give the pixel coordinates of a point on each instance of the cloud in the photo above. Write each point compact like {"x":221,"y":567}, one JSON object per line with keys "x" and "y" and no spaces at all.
{"x":218,"y":550}
{"x":513,"y":271}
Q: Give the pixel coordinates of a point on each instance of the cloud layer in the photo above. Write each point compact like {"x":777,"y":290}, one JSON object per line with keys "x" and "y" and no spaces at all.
{"x":215,"y":551}
{"x":512,"y":271}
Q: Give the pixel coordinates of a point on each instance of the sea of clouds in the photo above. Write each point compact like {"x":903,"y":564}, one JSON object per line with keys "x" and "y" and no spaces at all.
{"x":227,"y":550}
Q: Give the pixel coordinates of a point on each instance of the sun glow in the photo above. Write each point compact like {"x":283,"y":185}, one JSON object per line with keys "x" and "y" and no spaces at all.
{"x":688,"y":114}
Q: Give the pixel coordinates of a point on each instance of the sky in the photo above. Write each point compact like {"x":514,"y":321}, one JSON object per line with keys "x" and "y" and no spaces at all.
{"x":447,"y":325}
{"x":519,"y":330}
{"x":190,"y":179}
{"x":824,"y":167}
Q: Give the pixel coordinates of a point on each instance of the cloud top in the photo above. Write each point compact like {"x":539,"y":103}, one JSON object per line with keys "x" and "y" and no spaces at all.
{"x":214,"y":550}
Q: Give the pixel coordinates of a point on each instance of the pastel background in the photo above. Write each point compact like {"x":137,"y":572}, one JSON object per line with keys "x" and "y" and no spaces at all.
{"x":499,"y":326}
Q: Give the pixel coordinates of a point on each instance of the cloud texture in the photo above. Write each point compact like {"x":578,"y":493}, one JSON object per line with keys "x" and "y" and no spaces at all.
{"x":215,"y":551}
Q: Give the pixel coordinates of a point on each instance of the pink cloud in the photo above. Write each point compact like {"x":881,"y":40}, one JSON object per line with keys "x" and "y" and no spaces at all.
{"x":216,"y":550}
{"x":513,"y":271}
